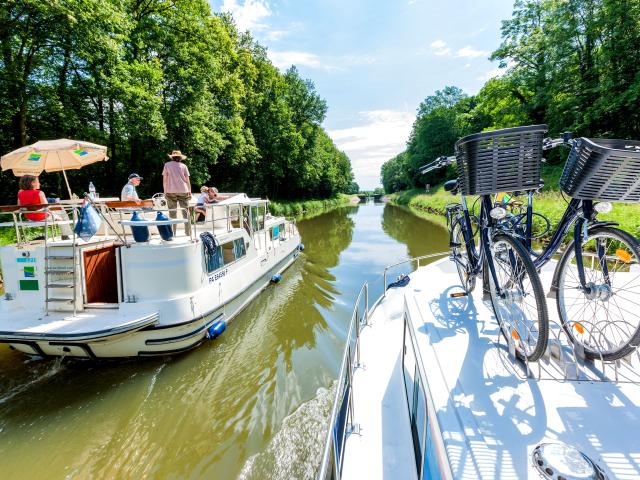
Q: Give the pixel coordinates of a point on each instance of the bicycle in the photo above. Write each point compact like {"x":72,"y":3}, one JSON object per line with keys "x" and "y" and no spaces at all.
{"x":593,"y":281}
{"x":515,"y":288}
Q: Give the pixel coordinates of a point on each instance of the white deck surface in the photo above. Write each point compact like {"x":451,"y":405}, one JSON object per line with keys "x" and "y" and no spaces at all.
{"x":84,"y":325}
{"x":490,"y":418}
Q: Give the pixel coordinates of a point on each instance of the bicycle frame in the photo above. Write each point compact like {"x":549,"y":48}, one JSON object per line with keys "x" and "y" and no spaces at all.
{"x":486,"y":224}
{"x":581,"y":213}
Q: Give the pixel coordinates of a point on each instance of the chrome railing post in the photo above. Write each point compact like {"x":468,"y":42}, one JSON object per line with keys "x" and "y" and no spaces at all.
{"x":366,"y":303}
{"x":356,"y":364}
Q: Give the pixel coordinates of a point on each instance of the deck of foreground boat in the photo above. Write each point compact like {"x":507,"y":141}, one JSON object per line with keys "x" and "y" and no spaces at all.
{"x":490,"y":414}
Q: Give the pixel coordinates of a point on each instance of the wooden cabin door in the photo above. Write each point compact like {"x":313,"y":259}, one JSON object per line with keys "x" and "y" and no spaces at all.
{"x":101,"y":275}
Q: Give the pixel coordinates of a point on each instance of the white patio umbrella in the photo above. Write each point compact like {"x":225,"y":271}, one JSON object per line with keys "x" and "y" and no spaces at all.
{"x":53,"y":156}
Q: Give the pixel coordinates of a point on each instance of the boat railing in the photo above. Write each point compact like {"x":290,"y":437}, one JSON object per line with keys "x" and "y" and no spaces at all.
{"x":342,"y":423}
{"x":342,"y":413}
{"x":415,"y":263}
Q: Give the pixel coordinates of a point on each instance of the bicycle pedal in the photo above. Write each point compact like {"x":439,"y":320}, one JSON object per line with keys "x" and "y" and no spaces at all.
{"x":458,"y":294}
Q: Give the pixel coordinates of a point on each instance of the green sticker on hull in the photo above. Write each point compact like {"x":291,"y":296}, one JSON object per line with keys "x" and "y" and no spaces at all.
{"x":29,"y":285}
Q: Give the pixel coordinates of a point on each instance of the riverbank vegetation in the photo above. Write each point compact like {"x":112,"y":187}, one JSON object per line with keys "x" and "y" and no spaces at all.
{"x":147,"y":77}
{"x":301,"y":207}
{"x":550,"y":203}
{"x":569,"y":64}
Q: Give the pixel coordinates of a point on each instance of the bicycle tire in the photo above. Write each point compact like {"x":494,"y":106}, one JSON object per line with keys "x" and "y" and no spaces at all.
{"x":610,"y":325}
{"x":461,"y":256}
{"x":515,"y":300}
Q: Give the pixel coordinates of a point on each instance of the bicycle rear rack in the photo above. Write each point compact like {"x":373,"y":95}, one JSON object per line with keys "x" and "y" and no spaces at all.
{"x":565,"y":361}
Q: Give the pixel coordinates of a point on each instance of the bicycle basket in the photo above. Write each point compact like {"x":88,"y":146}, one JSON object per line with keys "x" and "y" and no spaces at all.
{"x":603,"y":169}
{"x":500,"y":160}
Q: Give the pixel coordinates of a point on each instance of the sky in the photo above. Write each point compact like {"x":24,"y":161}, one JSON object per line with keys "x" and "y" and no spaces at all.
{"x":374,"y":61}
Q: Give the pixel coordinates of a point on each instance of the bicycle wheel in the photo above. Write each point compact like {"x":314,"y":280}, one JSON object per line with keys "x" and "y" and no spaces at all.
{"x":521,"y":309}
{"x":605,"y":319}
{"x":461,"y":257}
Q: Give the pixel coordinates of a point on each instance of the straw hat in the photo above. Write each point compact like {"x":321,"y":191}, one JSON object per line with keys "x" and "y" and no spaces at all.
{"x":177,"y":153}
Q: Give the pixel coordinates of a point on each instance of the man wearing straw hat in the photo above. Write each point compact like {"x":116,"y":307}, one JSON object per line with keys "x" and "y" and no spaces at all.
{"x":177,"y":185}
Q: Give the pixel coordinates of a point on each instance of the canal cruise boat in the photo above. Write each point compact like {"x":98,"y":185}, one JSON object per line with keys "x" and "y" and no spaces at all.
{"x":143,"y":284}
{"x":430,"y":389}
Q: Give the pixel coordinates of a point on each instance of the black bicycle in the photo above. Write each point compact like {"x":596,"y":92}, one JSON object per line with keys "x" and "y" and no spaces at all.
{"x":596,"y":281}
{"x":488,"y":163}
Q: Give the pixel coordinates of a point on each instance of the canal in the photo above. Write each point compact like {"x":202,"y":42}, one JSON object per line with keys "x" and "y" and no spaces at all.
{"x":252,"y":404}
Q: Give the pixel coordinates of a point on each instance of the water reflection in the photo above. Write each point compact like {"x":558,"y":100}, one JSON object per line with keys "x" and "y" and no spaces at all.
{"x":256,"y":397}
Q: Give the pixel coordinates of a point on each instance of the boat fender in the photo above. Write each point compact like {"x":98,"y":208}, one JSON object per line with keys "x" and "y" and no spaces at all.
{"x":165,"y":231}
{"x":403,"y":281}
{"x":216,"y":329}
{"x":301,"y":246}
{"x":276,"y":278}
{"x":140,"y":234}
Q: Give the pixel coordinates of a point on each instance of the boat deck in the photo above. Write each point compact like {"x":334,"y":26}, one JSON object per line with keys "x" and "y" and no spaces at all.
{"x":490,"y":412}
{"x":86,"y":325}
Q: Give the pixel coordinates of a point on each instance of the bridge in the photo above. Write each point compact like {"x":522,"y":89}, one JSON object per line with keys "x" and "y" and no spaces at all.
{"x":363,"y":198}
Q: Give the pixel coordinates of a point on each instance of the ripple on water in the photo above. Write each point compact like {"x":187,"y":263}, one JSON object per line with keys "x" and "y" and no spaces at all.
{"x":295,"y":450}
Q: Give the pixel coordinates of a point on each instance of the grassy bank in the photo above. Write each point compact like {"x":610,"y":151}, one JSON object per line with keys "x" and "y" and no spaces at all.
{"x":294,"y":208}
{"x":549,"y":202}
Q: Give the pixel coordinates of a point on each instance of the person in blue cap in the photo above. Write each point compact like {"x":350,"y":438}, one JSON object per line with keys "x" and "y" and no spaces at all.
{"x":129,"y":193}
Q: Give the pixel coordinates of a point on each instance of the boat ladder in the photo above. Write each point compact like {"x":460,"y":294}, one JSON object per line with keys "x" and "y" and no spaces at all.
{"x":60,"y":274}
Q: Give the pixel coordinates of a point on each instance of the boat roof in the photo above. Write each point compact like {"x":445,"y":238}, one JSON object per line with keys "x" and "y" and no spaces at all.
{"x":490,"y":410}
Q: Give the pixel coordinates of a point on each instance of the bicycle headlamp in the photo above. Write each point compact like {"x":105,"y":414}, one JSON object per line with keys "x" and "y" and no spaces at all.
{"x":498,"y":213}
{"x":603,"y":207}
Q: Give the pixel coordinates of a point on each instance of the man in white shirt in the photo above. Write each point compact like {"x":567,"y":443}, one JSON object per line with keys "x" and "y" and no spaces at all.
{"x":129,"y":193}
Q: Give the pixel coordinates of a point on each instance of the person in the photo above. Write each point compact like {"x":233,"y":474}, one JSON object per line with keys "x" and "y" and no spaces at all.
{"x":129,"y":193}
{"x":213,"y":195}
{"x":177,"y":185}
{"x":30,"y":194}
{"x":203,"y":199}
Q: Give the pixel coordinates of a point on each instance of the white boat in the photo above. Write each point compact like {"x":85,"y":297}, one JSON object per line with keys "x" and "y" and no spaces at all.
{"x":114,"y":297}
{"x":430,"y":389}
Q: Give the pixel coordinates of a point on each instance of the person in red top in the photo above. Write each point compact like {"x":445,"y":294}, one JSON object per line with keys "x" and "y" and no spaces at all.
{"x":30,"y":194}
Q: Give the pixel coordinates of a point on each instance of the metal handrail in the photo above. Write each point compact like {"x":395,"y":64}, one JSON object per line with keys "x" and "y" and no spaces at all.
{"x":410,"y":260}
{"x":347,"y":366}
{"x":345,"y":382}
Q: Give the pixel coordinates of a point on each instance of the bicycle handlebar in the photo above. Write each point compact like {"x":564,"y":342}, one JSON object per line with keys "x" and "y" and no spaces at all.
{"x":566,"y":140}
{"x":439,"y":162}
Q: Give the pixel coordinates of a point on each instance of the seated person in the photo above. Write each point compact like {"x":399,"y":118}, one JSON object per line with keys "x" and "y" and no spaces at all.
{"x":30,"y":194}
{"x":213,"y":195}
{"x":203,"y":199}
{"x":129,"y":193}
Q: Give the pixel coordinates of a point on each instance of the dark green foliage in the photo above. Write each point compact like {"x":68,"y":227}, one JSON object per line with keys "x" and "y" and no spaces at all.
{"x":571,"y":64}
{"x":146,"y":77}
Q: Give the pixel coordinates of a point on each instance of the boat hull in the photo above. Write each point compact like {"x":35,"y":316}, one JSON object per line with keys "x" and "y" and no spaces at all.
{"x":146,"y":337}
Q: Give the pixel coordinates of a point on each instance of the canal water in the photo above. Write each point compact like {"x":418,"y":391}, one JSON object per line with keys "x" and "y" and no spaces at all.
{"x":252,"y":404}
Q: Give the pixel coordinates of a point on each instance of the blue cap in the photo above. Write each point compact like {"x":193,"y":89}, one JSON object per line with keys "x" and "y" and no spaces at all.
{"x":134,"y":175}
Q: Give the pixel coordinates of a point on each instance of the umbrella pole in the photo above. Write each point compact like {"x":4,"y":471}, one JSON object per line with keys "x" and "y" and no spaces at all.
{"x":64,"y":173}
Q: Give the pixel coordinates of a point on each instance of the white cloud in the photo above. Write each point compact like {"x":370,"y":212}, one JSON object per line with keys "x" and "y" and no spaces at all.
{"x":284,"y":60}
{"x":274,"y":35}
{"x":440,"y":48}
{"x":496,"y":72}
{"x":382,"y":135}
{"x":470,"y":52}
{"x":247,"y":14}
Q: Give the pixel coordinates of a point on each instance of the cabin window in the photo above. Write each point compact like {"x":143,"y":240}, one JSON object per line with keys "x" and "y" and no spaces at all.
{"x":257,"y":217}
{"x":214,"y":262}
{"x":416,"y":395}
{"x":239,"y":249}
{"x":227,"y":253}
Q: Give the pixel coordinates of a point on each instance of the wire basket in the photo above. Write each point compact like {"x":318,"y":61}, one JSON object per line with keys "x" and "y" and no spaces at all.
{"x":603,"y":169}
{"x":500,"y":160}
